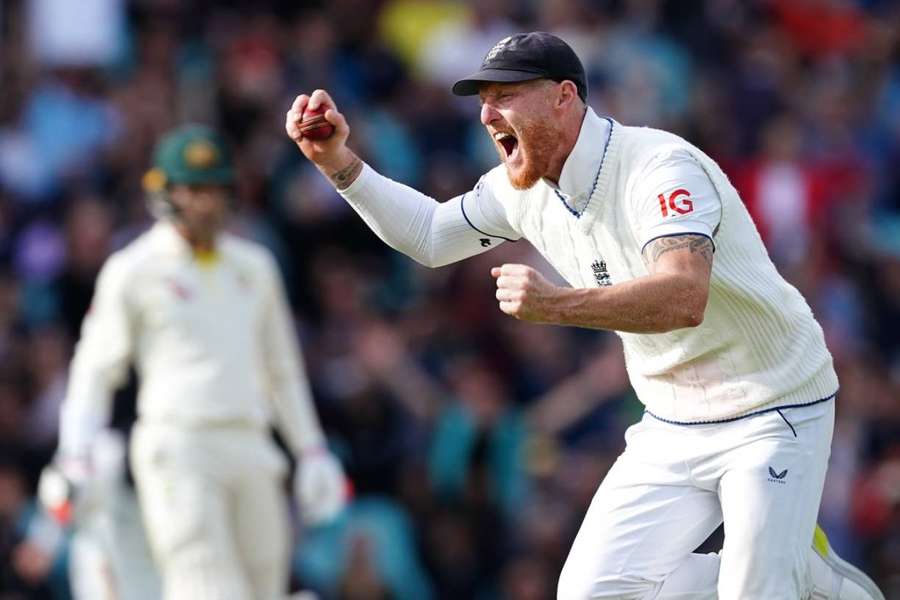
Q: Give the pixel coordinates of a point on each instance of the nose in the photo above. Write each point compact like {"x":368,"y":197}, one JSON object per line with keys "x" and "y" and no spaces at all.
{"x":488,"y":114}
{"x":210,"y":201}
{"x":212,"y":193}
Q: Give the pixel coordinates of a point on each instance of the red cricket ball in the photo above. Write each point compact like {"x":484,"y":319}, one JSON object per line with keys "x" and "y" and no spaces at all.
{"x":314,"y":126}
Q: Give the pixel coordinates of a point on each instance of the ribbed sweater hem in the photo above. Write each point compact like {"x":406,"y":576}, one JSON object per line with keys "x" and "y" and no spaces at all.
{"x":823,"y":386}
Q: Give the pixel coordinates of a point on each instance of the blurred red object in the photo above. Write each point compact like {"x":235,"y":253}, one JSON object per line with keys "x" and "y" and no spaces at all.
{"x":821,"y":27}
{"x":876,"y":504}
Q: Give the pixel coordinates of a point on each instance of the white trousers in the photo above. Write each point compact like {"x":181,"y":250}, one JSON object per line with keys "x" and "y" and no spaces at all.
{"x":214,"y":510}
{"x":675,"y":484}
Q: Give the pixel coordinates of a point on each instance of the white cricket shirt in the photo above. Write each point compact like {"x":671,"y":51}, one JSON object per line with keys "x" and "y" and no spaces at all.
{"x":212,"y":341}
{"x":621,"y":187}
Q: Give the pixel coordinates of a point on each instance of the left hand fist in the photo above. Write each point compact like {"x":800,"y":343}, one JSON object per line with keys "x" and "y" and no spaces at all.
{"x":320,"y":486}
{"x":524,"y":293}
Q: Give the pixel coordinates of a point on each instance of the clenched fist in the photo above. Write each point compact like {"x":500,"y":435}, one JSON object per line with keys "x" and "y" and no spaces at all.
{"x":525,"y":294}
{"x":318,"y":100}
{"x":330,"y":155}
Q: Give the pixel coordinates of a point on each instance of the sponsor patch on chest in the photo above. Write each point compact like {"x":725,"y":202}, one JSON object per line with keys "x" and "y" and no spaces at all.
{"x":179,"y":289}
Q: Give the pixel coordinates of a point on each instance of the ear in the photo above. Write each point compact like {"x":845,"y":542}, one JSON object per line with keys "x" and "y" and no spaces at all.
{"x":567,"y":93}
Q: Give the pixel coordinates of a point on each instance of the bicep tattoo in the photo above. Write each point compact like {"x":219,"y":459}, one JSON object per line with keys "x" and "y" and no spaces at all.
{"x":343,"y":178}
{"x":697,"y":244}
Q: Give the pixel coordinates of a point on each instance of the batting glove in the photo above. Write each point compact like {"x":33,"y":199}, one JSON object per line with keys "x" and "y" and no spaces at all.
{"x":62,"y":482}
{"x":73,"y":485}
{"x":320,"y":486}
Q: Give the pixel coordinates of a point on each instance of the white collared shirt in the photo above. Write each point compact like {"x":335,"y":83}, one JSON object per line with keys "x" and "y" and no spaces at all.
{"x":212,"y":341}
{"x":620,"y":188}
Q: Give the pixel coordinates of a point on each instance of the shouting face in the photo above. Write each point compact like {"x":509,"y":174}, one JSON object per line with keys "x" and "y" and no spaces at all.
{"x":521,"y":119}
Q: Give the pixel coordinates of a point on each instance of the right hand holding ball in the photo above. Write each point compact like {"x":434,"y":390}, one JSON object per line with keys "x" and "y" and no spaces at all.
{"x":320,"y":131}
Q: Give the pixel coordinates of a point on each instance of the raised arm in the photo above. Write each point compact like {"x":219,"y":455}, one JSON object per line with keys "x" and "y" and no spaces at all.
{"x":430,"y":232}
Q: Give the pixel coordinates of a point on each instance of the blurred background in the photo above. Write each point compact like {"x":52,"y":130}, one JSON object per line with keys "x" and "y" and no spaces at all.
{"x":475,"y":442}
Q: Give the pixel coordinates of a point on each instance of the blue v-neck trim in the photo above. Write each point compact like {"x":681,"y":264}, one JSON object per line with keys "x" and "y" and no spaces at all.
{"x":577,"y":214}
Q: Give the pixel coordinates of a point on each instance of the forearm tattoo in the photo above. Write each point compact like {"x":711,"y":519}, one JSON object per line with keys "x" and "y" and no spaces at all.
{"x":697,"y":244}
{"x":343,"y":178}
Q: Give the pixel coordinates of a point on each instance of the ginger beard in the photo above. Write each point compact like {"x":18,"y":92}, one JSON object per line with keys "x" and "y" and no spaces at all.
{"x":529,"y":156}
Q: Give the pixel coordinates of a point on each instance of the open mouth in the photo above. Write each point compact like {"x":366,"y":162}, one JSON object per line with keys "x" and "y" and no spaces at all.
{"x":508,"y":142}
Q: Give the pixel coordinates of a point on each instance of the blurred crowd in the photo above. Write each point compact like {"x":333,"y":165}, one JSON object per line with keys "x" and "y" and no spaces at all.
{"x":475,"y":442}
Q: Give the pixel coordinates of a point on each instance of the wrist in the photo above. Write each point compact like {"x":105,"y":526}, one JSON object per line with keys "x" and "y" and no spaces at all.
{"x":342,"y":169}
{"x":555,"y":305}
{"x":312,"y":450}
{"x":75,"y":468}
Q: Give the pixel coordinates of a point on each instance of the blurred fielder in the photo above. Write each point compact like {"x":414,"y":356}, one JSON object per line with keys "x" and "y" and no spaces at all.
{"x":204,"y":317}
{"x":733,"y":370}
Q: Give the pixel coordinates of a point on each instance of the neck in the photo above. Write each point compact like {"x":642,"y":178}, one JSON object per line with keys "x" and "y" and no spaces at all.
{"x":568,"y":137}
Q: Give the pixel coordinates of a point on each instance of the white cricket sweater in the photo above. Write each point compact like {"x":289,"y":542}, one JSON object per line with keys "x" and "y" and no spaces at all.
{"x":758,"y":347}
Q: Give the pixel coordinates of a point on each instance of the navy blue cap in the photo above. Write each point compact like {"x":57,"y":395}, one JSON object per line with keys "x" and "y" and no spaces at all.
{"x":524,"y":57}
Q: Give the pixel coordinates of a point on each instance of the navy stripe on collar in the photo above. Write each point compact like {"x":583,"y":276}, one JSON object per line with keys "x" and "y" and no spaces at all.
{"x":574,"y":212}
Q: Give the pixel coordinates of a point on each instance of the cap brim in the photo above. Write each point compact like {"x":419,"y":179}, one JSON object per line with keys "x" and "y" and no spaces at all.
{"x":469,"y":86}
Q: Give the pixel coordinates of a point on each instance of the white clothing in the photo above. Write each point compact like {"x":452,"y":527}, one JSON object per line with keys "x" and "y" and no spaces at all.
{"x":217,"y":358}
{"x":702,"y":453}
{"x":213,"y":343}
{"x":673,"y":486}
{"x":621,"y":187}
{"x":431,"y":233}
{"x":214,"y":510}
